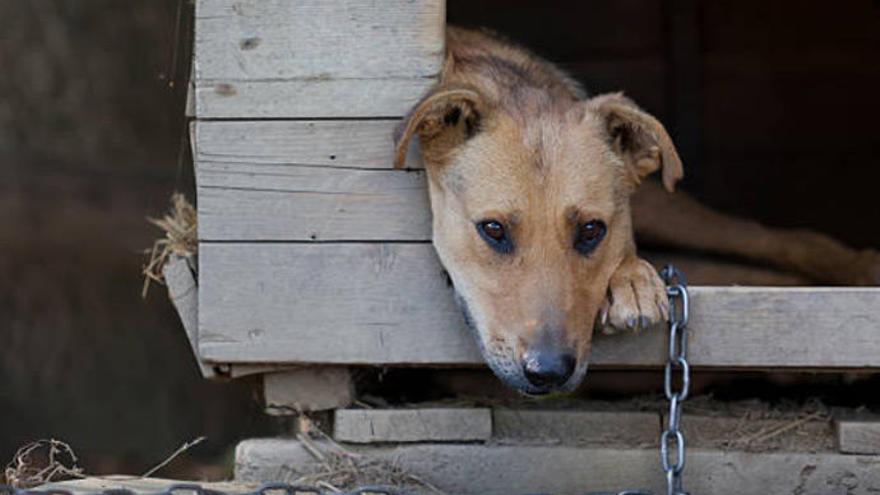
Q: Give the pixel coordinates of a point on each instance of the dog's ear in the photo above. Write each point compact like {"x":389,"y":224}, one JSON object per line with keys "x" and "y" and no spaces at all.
{"x":443,"y":119}
{"x":638,"y":138}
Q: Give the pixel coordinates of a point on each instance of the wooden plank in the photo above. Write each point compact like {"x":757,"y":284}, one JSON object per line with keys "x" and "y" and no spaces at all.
{"x":858,"y":437}
{"x":378,"y":303}
{"x":576,"y":426}
{"x":304,"y":202}
{"x":136,"y":484}
{"x":412,"y":425}
{"x":332,"y":98}
{"x":490,"y":469}
{"x":306,"y":180}
{"x":312,"y":58}
{"x":332,"y":143}
{"x":307,"y":389}
{"x":183,"y":292}
{"x":331,"y":303}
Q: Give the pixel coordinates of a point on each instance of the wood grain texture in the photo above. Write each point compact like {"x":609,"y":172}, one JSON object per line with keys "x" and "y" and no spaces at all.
{"x":367,"y":144}
{"x":313,"y":58}
{"x":183,"y":291}
{"x":307,"y":180}
{"x":381,"y":303}
{"x":302,"y":202}
{"x":412,"y":425}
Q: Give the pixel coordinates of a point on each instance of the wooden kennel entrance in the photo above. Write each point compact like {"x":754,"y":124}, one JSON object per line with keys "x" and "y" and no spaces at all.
{"x":315,"y":255}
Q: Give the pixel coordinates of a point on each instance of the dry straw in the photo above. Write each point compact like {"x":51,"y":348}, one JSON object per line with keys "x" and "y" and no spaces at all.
{"x":42,"y":462}
{"x":180,"y":226}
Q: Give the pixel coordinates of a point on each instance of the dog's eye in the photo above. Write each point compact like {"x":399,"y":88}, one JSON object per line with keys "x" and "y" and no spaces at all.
{"x":588,"y":236}
{"x":495,"y":235}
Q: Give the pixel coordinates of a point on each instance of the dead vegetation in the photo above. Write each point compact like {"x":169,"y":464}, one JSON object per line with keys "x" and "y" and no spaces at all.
{"x":180,"y":226}
{"x":339,"y":469}
{"x":42,"y":462}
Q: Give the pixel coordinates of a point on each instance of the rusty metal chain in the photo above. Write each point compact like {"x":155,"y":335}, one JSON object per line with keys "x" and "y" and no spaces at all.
{"x":676,"y":364}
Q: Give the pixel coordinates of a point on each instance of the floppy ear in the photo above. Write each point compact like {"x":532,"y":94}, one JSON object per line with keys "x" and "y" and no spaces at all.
{"x":443,"y":119}
{"x":638,"y":138}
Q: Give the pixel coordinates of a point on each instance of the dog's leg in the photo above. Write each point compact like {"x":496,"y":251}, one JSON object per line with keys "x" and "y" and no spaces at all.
{"x":678,"y":220}
{"x":636,"y":297}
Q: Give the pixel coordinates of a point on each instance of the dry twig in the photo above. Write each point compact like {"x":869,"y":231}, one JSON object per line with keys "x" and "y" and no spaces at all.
{"x":341,"y":469}
{"x":183,"y":448}
{"x":28,"y":468}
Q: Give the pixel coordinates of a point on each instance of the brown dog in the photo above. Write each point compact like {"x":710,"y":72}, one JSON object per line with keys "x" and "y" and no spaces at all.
{"x":531,"y":185}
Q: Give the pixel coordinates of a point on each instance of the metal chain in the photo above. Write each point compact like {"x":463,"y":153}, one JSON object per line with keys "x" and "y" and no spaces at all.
{"x":676,"y":363}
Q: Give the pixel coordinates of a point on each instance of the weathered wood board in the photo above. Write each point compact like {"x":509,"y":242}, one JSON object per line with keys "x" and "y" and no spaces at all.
{"x":313,"y":58}
{"x":389,"y":303}
{"x":307,"y":180}
{"x":447,"y":424}
{"x":303,"y":202}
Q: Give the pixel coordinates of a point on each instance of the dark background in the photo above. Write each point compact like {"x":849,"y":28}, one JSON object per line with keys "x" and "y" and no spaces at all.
{"x":90,"y":138}
{"x":773,"y":105}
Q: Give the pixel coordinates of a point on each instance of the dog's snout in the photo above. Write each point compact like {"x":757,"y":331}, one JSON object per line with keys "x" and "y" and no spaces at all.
{"x":544,"y":368}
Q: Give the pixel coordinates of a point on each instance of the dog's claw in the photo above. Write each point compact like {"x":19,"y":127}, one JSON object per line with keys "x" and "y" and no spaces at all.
{"x":636,"y":298}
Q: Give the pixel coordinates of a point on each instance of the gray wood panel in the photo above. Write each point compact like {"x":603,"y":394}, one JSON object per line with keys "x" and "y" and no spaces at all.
{"x":378,"y":303}
{"x":332,"y":143}
{"x":306,"y":180}
{"x":313,"y":58}
{"x":300,"y":202}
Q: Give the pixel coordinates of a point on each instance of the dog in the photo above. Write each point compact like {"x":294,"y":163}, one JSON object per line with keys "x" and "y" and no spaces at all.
{"x":536,"y":191}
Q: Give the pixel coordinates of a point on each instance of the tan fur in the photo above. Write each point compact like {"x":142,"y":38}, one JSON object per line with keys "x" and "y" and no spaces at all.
{"x":507,"y":136}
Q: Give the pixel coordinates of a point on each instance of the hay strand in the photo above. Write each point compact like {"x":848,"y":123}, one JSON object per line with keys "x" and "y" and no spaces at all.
{"x":183,"y":448}
{"x":340,"y":469}
{"x":180,"y":226}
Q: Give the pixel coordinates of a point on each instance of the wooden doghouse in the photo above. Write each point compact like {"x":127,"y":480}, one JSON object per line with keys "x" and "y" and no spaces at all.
{"x":315,"y":256}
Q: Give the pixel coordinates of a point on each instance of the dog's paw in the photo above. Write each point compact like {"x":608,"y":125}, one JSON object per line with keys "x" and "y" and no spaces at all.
{"x":636,"y":298}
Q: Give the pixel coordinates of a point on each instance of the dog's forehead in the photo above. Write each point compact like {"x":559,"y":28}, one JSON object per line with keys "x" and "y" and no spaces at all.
{"x":514,"y":164}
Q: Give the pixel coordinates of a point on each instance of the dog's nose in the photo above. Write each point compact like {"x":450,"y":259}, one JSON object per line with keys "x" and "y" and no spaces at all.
{"x":548,"y":369}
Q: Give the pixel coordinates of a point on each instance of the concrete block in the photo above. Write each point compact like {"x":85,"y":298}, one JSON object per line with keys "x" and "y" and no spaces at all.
{"x":412,"y":425}
{"x":858,"y":437}
{"x":488,"y":469}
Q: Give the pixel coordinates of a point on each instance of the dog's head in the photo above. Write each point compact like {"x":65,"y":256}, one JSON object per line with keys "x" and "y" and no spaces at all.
{"x":531,"y":217}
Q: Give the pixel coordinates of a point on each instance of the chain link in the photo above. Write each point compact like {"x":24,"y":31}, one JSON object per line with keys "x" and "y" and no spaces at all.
{"x":672,"y":439}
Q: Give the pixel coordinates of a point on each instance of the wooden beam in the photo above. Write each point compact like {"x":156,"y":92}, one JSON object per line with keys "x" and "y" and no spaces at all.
{"x":272,"y":59}
{"x":389,"y":304}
